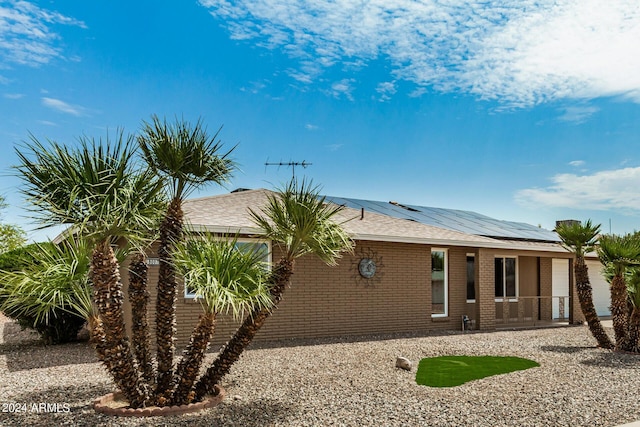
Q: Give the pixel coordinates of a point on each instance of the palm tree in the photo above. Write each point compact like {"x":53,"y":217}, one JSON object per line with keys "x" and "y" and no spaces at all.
{"x":188,"y":158}
{"x":579,"y":239}
{"x":227,"y":280}
{"x":99,"y":189}
{"x":140,"y":334}
{"x":300,"y":222}
{"x":620,"y":253}
{"x":633,"y":288}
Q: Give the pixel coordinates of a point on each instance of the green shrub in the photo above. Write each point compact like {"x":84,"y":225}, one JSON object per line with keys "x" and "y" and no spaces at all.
{"x":40,"y":285}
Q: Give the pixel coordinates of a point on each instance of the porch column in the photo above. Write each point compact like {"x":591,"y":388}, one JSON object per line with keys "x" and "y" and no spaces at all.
{"x":486,"y":290}
{"x":546,"y":289}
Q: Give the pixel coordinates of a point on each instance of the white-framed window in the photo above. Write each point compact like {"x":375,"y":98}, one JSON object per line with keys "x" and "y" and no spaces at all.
{"x":439,"y":283}
{"x":263,"y":246}
{"x":471,"y":278}
{"x":506,"y":277}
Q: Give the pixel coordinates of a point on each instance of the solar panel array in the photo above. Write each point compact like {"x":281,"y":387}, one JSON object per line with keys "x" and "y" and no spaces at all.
{"x":452,"y":219}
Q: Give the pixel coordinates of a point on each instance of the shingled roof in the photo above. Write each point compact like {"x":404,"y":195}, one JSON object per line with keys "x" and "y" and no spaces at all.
{"x":228,"y":213}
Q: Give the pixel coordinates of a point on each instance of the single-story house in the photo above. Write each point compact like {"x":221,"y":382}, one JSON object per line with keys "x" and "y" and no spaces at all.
{"x":413,"y":269}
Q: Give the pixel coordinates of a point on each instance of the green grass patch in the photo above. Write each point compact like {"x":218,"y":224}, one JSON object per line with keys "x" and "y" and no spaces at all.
{"x":452,"y":371}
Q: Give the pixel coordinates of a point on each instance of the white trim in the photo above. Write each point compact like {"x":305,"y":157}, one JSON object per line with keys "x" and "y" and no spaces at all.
{"x":193,"y":296}
{"x":504,"y":276}
{"x":446,"y":282}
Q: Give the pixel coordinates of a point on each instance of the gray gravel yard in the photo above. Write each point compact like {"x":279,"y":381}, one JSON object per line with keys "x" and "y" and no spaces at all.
{"x":318,"y":383}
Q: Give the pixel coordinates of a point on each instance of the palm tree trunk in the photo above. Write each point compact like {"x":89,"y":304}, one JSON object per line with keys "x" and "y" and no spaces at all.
{"x":189,"y":366}
{"x":170,"y":232}
{"x":245,"y":333}
{"x":585,"y":296}
{"x":619,"y":311}
{"x":633,"y":343}
{"x":108,"y":297}
{"x":140,"y":335}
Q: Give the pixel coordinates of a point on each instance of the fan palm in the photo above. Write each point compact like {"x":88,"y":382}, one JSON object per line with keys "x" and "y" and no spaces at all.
{"x":188,"y":158}
{"x":579,"y":239}
{"x":98,"y":189}
{"x":226,"y":280}
{"x":633,"y":288}
{"x":300,"y":222}
{"x":620,"y":253}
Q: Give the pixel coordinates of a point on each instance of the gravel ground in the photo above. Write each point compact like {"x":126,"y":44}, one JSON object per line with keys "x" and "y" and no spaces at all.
{"x":318,"y":383}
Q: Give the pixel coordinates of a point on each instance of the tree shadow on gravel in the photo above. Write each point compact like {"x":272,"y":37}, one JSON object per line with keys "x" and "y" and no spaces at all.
{"x":27,"y":356}
{"x":565,"y":349}
{"x":614,"y":360}
{"x":256,"y":413}
{"x":25,"y":350}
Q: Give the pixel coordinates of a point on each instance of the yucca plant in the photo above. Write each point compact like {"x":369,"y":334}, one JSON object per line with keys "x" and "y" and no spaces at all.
{"x":580,"y":239}
{"x":225,"y":279}
{"x":188,"y":158}
{"x":102,"y":191}
{"x":298,"y":220}
{"x":619,"y":253}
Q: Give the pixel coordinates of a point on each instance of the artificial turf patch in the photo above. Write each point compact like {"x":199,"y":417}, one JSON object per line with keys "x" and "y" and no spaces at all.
{"x":451,"y":371}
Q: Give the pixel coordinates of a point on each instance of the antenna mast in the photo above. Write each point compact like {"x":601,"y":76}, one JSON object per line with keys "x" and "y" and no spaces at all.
{"x":290,"y":164}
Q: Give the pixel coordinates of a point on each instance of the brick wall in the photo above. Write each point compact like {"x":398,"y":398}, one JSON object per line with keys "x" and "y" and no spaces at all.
{"x":335,"y":301}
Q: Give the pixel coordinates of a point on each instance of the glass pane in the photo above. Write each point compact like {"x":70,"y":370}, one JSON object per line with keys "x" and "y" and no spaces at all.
{"x":438,"y":284}
{"x":471,"y":277}
{"x":499,"y":278}
{"x":510,"y":279}
{"x":261,"y":248}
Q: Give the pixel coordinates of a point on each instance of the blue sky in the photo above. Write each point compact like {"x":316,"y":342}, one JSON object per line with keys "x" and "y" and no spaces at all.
{"x":518,"y":109}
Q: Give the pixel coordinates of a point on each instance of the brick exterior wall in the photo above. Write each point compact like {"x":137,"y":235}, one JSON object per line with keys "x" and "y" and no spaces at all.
{"x":336,"y":301}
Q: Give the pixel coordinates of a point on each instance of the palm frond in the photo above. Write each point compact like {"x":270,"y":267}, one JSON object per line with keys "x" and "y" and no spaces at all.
{"x":184,"y":154}
{"x":619,"y":251}
{"x":299,"y":219}
{"x":229,"y":280}
{"x":53,"y":277}
{"x":98,"y":187}
{"x":578,"y":238}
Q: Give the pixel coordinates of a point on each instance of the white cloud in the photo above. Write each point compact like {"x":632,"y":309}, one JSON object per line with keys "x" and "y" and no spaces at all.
{"x":63,"y":107}
{"x":576,"y":163}
{"x":386,"y":90}
{"x":519,"y":52}
{"x":578,"y":114}
{"x":26,"y":35}
{"x":311,"y":127}
{"x":13,"y":95}
{"x":344,"y":88}
{"x":605,"y":190}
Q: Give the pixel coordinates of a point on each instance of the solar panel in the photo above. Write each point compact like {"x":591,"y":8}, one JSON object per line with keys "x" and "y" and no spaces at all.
{"x":452,"y":219}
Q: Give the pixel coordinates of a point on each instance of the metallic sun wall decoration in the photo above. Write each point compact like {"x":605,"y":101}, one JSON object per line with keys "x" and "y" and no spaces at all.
{"x":367,"y":267}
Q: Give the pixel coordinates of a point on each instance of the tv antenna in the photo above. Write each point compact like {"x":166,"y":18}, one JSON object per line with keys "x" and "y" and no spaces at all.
{"x":289,"y":164}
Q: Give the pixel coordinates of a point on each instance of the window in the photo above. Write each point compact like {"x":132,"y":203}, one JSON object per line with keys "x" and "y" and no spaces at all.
{"x":242,"y":245}
{"x":471,"y":278}
{"x":439,"y":286}
{"x":506,"y":277}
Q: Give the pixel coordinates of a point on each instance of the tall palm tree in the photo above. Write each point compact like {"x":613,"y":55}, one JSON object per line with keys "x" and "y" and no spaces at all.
{"x":225,"y":279}
{"x":579,"y":239}
{"x":99,"y":189}
{"x":300,"y":222}
{"x":620,"y":253}
{"x":188,"y":158}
